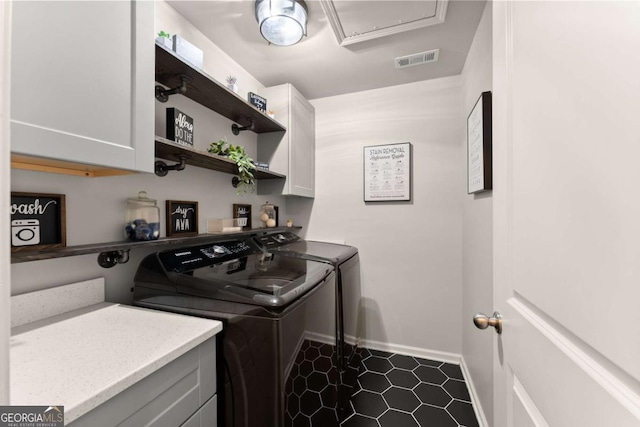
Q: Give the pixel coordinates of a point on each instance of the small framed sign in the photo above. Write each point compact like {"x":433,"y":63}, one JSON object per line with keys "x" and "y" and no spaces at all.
{"x":182,"y":218}
{"x":243,"y":211}
{"x":479,"y":149}
{"x":257,"y":101}
{"x":387,"y":173}
{"x":179,"y":127}
{"x":38,"y":221}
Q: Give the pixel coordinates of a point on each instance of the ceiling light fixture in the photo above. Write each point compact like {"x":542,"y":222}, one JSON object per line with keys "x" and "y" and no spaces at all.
{"x":282,"y":22}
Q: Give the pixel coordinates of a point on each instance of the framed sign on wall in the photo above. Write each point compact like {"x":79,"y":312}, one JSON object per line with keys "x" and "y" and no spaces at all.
{"x":243,"y":211}
{"x":182,"y":218}
{"x":38,"y":221}
{"x":387,"y":172}
{"x":179,"y":127}
{"x":479,"y":152}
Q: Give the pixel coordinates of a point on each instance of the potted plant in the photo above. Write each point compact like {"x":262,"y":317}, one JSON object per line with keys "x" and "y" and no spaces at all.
{"x":231,"y":83}
{"x":245,"y":181}
{"x":164,"y":39}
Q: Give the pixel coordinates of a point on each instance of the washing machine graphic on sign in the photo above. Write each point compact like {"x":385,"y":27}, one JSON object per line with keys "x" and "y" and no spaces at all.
{"x":25,"y":232}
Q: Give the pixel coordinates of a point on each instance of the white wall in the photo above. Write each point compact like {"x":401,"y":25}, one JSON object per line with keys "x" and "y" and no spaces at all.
{"x":95,"y":206}
{"x":5,"y":278}
{"x":410,"y":251}
{"x":477,"y":230}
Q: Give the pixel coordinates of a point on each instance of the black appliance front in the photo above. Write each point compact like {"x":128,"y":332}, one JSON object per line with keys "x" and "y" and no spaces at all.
{"x":270,"y":373}
{"x":349,"y":319}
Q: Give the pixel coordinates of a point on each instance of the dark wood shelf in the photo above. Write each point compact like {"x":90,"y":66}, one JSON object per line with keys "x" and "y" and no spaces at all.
{"x":169,"y":150}
{"x":37,"y":255}
{"x":207,"y":91}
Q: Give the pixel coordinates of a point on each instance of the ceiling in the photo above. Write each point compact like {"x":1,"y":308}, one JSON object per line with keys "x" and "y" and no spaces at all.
{"x":343,"y":52}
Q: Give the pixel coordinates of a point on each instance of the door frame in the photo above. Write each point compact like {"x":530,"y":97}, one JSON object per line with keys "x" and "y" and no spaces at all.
{"x":5,"y":189}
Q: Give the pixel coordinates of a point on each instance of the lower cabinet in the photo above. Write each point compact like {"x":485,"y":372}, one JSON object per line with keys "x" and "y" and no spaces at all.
{"x":181,"y":393}
{"x":207,"y":416}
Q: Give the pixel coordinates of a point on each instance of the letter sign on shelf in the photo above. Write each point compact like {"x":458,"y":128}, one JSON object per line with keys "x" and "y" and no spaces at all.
{"x":182,"y":218}
{"x":37,"y":221}
{"x":257,"y":101}
{"x":179,"y":127}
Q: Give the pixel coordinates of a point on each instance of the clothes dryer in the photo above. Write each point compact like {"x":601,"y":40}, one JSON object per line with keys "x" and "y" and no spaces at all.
{"x":349,"y":321}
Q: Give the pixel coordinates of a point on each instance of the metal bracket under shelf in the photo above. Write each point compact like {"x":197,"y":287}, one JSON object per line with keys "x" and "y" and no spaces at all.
{"x":110,"y":259}
{"x":162,"y":169}
{"x":235,"y":129}
{"x":163,"y":94}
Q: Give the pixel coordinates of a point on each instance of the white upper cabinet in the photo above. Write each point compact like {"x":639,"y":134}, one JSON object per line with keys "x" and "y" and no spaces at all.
{"x":291,"y":153}
{"x":82,"y":86}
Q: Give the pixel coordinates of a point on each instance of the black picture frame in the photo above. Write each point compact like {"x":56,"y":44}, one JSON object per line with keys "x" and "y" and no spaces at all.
{"x":242,"y":211}
{"x":479,"y":146}
{"x":38,"y":221}
{"x":180,"y":127}
{"x":182,"y":218}
{"x":258,"y":101}
{"x":388,"y":172}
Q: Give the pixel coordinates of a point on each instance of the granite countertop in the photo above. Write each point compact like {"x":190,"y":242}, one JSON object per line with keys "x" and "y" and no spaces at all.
{"x":82,"y":358}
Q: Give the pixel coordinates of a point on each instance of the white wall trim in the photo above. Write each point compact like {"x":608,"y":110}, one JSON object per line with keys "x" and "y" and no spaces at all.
{"x":475,"y":399}
{"x":5,"y":188}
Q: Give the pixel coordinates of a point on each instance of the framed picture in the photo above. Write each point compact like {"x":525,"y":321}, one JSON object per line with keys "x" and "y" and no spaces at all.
{"x":387,"y":172}
{"x":479,"y":152}
{"x":38,"y":221}
{"x":182,"y":218}
{"x":179,"y":127}
{"x":243,"y":211}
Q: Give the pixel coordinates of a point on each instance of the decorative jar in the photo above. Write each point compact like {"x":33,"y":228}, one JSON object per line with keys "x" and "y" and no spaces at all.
{"x":142,"y":218}
{"x":268,"y":215}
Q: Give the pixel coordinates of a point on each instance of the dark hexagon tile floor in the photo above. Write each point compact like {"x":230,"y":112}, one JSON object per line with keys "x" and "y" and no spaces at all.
{"x":394,"y":390}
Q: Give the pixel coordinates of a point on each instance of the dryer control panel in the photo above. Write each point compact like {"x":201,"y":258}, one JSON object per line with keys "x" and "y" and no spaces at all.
{"x":276,"y":239}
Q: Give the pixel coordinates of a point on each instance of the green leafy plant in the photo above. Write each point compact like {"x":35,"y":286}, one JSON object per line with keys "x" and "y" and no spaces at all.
{"x":165,"y":35}
{"x":239,"y":156}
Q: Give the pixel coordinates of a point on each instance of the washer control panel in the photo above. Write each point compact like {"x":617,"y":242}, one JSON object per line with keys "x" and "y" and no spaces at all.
{"x":190,"y":258}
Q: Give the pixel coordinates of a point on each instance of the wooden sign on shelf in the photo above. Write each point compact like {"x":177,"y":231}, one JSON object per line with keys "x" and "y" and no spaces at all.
{"x":243,"y":211}
{"x":38,"y":221}
{"x":182,"y":218}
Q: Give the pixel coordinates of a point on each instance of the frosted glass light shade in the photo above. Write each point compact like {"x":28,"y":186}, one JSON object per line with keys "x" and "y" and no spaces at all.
{"x":282,"y":22}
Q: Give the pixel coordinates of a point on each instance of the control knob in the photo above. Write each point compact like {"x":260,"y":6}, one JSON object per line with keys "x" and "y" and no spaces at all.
{"x":219,"y":250}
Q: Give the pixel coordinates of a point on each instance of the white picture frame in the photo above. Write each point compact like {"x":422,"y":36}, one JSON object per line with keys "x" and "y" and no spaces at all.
{"x":387,"y":172}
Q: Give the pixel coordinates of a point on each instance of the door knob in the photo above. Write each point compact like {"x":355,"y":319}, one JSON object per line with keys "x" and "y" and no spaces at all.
{"x":483,"y":322}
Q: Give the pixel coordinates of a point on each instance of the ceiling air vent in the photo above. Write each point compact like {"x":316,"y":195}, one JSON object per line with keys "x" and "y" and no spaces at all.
{"x":417,"y":58}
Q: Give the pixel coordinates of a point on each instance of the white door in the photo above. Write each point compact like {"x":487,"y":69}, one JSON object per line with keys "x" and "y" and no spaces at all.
{"x":566,"y":104}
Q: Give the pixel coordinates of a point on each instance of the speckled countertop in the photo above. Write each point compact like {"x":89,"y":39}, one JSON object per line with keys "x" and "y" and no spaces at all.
{"x":83,"y":358}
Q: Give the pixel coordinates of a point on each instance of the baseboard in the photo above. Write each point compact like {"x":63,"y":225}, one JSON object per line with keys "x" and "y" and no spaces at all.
{"x":477,"y":407}
{"x":422,"y":353}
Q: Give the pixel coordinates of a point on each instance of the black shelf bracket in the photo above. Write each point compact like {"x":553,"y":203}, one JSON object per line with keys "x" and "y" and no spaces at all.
{"x":163,"y":94}
{"x":162,"y":169}
{"x":109,"y":259}
{"x":237,"y":129}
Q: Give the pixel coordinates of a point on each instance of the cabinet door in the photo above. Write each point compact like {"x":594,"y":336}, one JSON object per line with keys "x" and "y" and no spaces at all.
{"x":82,"y":82}
{"x":302,"y":146}
{"x":291,"y":153}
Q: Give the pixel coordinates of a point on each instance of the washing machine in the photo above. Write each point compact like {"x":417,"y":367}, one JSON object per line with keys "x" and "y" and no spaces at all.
{"x":349,"y":321}
{"x":269,"y":373}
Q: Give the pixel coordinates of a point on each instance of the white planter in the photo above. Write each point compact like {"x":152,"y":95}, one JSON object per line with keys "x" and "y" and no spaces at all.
{"x":233,"y":87}
{"x":163,"y":41}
